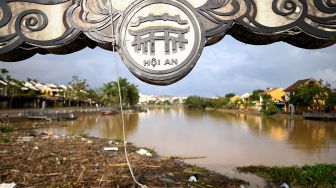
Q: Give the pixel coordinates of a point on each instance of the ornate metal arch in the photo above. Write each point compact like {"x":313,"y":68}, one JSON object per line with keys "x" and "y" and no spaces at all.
{"x":28,"y":27}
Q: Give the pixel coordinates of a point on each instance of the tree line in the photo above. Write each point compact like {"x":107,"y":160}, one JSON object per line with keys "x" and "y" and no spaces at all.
{"x":315,"y":96}
{"x":77,"y":90}
{"x":268,"y":106}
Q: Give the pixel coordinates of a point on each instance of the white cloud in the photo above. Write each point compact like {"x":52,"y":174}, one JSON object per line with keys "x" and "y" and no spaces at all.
{"x":328,"y":75}
{"x":318,"y":54}
{"x":228,"y":66}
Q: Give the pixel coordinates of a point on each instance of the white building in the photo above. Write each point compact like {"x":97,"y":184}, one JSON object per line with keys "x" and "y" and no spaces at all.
{"x":145,"y":99}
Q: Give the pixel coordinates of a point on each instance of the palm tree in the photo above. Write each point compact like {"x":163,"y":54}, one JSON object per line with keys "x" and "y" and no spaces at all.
{"x":109,"y":93}
{"x":129,"y":93}
{"x":78,"y":90}
{"x":4,"y":73}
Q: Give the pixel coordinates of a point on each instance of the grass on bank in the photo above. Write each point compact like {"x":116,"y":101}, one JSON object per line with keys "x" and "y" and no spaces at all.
{"x":319,"y":175}
{"x":6,"y":129}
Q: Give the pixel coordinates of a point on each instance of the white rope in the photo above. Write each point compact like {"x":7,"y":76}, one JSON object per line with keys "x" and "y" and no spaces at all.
{"x":120,"y":102}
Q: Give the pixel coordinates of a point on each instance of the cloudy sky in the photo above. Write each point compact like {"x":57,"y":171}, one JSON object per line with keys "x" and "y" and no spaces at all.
{"x":228,"y":66}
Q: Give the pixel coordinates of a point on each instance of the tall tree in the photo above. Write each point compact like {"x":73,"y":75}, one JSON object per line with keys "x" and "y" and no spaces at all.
{"x":331,"y":101}
{"x":268,"y":106}
{"x":129,"y":93}
{"x":4,"y":73}
{"x":93,"y":96}
{"x":77,"y":90}
{"x":109,"y":94}
{"x":256,"y":95}
{"x":230,"y":95}
{"x":312,"y":95}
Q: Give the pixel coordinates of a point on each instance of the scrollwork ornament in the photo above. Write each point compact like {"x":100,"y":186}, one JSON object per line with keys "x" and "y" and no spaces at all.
{"x":6,"y":13}
{"x":326,"y":6}
{"x":285,"y":7}
{"x":93,"y":17}
{"x":24,"y":29}
{"x":26,"y":22}
{"x":29,"y":20}
{"x":221,"y":20}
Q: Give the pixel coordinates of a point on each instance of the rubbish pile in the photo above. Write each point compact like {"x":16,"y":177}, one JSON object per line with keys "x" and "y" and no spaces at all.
{"x":40,"y":160}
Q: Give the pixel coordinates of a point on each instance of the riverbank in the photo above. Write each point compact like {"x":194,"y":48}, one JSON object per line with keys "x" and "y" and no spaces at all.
{"x":319,"y":175}
{"x":19,"y":113}
{"x":37,"y":159}
{"x":256,"y":113}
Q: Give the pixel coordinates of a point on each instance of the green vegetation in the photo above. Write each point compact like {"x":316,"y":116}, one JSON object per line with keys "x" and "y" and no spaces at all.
{"x":230,"y":95}
{"x":268,"y":106}
{"x":316,"y":96}
{"x":84,"y":135}
{"x":330,"y":102}
{"x":77,"y":89}
{"x":219,"y":102}
{"x":164,"y":103}
{"x":4,"y":139}
{"x":256,"y":95}
{"x":110,"y":93}
{"x":31,"y":93}
{"x":196,"y":102}
{"x":196,"y":170}
{"x":320,"y":175}
{"x":6,"y":129}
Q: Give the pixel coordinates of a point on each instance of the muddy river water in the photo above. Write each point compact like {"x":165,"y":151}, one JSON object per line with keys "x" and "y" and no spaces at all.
{"x":225,"y":140}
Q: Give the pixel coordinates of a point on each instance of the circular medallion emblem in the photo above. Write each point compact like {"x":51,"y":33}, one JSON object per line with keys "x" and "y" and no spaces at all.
{"x":160,"y":40}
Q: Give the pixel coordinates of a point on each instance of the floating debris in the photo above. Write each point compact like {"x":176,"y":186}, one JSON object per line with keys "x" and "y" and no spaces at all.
{"x":71,"y":161}
{"x":144,"y":152}
{"x":55,"y":137}
{"x":25,"y":139}
{"x":8,"y":185}
{"x":45,"y":137}
{"x":284,"y":185}
{"x":193,"y":178}
{"x":97,"y":165}
{"x":111,"y":149}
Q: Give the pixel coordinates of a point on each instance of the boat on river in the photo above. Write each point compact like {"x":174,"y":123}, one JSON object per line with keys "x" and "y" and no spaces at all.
{"x":109,"y":112}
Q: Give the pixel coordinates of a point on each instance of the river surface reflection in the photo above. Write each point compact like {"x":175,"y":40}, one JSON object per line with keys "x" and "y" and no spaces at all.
{"x":226,"y":140}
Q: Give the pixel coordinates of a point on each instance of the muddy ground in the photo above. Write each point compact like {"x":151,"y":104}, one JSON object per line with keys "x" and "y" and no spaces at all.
{"x":32,"y":159}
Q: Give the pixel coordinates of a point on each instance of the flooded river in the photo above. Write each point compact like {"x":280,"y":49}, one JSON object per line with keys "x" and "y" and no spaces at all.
{"x":226,"y":140}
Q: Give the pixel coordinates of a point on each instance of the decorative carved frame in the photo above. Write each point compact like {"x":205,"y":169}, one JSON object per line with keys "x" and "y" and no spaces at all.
{"x":24,"y":31}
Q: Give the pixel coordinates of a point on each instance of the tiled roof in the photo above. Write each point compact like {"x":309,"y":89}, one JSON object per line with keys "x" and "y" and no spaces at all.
{"x":3,"y":82}
{"x":272,"y":89}
{"x":297,"y":84}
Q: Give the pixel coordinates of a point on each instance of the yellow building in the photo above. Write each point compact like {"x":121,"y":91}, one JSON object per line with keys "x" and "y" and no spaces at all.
{"x":235,"y":98}
{"x":277,"y":94}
